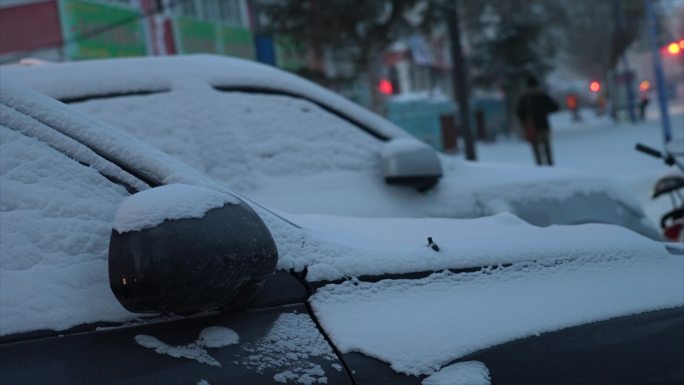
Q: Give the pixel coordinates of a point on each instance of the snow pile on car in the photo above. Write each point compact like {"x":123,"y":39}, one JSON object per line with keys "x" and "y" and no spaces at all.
{"x":54,"y":231}
{"x":461,"y":373}
{"x":402,"y":145}
{"x":210,"y":337}
{"x":406,"y":322}
{"x":332,"y":248}
{"x":173,"y":201}
{"x":287,"y":348}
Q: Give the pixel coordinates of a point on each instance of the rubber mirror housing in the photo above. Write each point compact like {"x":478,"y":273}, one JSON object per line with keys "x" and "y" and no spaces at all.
{"x":188,"y":265}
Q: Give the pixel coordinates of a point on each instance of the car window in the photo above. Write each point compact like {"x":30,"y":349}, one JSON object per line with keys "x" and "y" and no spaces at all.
{"x":55,"y":222}
{"x":236,"y":137}
{"x":332,"y":110}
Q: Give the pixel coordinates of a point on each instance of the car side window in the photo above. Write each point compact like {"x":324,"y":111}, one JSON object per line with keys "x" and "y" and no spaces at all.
{"x":236,"y":137}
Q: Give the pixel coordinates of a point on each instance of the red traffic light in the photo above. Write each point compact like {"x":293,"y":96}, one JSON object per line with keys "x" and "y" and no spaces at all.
{"x":595,"y":86}
{"x":385,"y":87}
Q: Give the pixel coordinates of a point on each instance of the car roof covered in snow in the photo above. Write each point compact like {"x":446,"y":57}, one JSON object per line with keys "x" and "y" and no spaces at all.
{"x":105,"y":77}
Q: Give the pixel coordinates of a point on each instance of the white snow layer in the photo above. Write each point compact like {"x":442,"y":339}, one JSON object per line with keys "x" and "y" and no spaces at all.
{"x":55,"y":222}
{"x":402,"y":145}
{"x":174,"y":201}
{"x":102,"y":77}
{"x":57,"y":216}
{"x":210,"y":337}
{"x":287,"y":348}
{"x":286,"y":152}
{"x":419,"y":325}
{"x":461,"y":373}
{"x":218,"y":337}
{"x":337,"y":247}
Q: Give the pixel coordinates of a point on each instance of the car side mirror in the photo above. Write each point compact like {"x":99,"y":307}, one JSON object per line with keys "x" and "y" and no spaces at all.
{"x":409,"y":162}
{"x":182,"y":249}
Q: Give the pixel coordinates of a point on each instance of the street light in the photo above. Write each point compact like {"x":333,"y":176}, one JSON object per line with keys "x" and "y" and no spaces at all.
{"x":674,"y":49}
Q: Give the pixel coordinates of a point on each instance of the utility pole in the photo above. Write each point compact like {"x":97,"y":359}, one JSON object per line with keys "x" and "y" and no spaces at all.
{"x":658,"y":68}
{"x":627,"y":75}
{"x":461,"y":83}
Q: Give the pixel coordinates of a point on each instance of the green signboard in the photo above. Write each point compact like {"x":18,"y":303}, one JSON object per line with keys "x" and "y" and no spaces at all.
{"x":235,"y":41}
{"x":96,"y":30}
{"x":195,"y":36}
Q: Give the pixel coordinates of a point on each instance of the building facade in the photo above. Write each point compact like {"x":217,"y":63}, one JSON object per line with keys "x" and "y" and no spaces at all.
{"x":90,"y":29}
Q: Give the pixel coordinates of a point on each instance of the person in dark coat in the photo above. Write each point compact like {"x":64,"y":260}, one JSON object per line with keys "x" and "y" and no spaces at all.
{"x":534,"y":106}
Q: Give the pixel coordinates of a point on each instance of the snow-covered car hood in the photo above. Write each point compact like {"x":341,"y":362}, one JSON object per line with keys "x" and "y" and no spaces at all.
{"x":292,"y":154}
{"x":420,"y":325}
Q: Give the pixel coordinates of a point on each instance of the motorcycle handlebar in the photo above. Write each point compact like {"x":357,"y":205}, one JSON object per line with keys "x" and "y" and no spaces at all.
{"x":648,"y":150}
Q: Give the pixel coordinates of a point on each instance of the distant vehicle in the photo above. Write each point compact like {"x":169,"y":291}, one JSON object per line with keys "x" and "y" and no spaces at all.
{"x":292,"y":145}
{"x":96,"y":225}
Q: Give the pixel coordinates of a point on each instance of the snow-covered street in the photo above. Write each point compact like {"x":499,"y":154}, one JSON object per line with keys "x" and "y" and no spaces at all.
{"x":601,"y":147}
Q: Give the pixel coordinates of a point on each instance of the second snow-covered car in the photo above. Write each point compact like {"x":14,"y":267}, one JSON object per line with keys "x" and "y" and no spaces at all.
{"x":298,"y":147}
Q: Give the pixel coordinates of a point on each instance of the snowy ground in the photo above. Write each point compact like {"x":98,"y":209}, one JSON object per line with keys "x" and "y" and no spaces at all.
{"x":601,"y":147}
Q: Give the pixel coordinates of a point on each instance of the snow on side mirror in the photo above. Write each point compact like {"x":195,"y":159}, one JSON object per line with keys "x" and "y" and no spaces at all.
{"x":180,"y":249}
{"x":409,"y":162}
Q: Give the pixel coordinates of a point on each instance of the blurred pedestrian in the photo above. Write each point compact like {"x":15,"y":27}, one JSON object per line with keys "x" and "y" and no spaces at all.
{"x":534,"y":106}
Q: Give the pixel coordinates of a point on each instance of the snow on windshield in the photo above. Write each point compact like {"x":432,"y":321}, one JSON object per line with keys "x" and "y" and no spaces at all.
{"x":54,"y":230}
{"x":420,"y":325}
{"x":174,"y":201}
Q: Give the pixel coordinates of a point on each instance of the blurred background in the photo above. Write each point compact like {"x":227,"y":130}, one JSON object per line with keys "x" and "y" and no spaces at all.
{"x":396,"y":57}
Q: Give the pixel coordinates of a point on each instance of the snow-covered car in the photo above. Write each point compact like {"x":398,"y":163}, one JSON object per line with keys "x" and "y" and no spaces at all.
{"x":96,"y":224}
{"x":297,"y":147}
